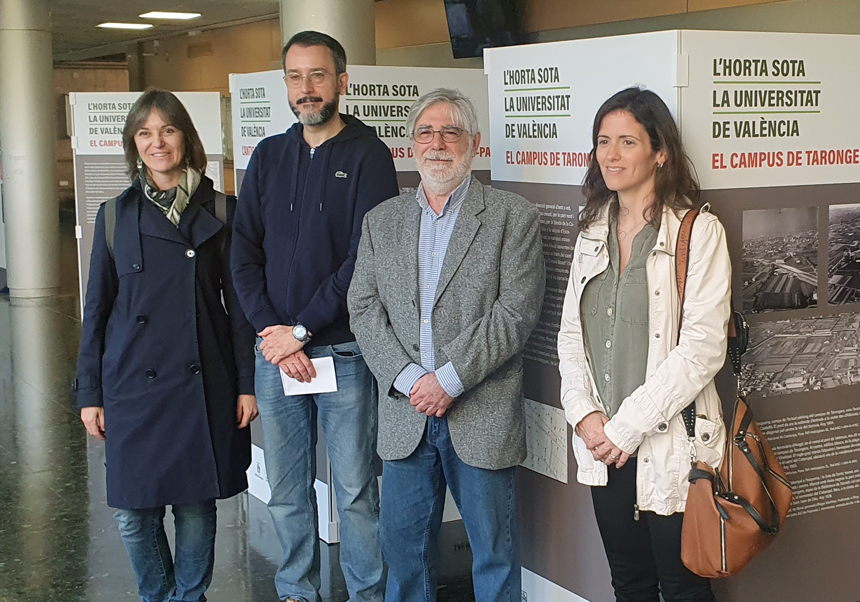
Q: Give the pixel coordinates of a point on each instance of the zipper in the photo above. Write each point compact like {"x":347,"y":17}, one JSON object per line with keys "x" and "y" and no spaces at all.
{"x":307,"y":177}
{"x":778,"y":478}
{"x":635,"y":511}
{"x":299,"y":219}
{"x":723,"y":544}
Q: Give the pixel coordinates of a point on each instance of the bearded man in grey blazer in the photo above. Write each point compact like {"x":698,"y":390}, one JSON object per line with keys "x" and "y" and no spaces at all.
{"x":448,"y":286}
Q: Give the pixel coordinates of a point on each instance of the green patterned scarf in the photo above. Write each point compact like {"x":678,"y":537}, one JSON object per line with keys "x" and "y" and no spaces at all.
{"x":172,"y":201}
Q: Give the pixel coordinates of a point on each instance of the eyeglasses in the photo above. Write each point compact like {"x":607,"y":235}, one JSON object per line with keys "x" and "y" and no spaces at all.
{"x":316,"y":78}
{"x":448,"y":134}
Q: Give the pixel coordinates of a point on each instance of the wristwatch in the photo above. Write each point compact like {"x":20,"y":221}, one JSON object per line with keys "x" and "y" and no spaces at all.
{"x":301,"y":334}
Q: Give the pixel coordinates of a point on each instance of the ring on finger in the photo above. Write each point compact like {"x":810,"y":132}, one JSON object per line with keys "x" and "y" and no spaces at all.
{"x":613,"y":457}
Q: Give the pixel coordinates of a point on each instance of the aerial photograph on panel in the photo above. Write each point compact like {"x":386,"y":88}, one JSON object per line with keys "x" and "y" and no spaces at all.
{"x":780,"y":266}
{"x":805,"y":354}
{"x":843,"y":274}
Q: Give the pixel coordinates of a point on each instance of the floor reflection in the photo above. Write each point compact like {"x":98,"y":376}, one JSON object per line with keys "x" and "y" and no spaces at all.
{"x":58,"y":539}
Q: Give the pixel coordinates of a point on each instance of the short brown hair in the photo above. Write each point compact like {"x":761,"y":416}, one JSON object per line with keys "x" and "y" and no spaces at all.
{"x":306,"y":39}
{"x":174,"y":113}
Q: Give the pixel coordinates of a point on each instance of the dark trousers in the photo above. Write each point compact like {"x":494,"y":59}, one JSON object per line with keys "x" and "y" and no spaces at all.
{"x":644,"y":555}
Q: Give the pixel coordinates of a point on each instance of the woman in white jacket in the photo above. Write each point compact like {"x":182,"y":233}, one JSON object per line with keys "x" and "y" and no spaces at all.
{"x":626,"y":371}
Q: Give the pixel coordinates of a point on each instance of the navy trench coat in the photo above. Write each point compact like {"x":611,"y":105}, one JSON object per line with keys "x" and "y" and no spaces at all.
{"x":166,"y":350}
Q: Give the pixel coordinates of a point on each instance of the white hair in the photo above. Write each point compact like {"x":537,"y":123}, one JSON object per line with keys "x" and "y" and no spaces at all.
{"x":462,"y":109}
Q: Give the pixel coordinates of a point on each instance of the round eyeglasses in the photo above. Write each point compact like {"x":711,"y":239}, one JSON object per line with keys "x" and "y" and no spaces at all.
{"x":316,"y":78}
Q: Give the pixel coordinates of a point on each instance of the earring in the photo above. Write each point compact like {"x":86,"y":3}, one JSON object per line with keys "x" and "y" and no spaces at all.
{"x":659,"y":165}
{"x":139,"y":162}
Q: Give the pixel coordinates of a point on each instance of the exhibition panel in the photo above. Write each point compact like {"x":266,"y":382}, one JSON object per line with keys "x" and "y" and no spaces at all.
{"x":770,"y":124}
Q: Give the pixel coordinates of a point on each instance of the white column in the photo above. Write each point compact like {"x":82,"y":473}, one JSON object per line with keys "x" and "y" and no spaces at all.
{"x":28,"y":141}
{"x":350,"y":22}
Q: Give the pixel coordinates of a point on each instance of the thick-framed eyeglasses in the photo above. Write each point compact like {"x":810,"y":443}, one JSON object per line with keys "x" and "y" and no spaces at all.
{"x":448,"y":134}
{"x":317,"y":78}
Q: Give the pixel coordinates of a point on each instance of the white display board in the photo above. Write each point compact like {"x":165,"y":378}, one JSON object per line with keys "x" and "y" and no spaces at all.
{"x":378,"y":96}
{"x":770,"y":109}
{"x":98,"y":119}
{"x":543,"y":98}
{"x":755,"y":109}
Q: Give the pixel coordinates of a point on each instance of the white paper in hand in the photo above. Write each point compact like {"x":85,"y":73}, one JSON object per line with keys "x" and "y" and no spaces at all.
{"x":324,"y":382}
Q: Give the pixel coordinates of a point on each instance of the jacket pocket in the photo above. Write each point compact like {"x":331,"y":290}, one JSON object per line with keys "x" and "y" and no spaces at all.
{"x":634,"y":298}
{"x":346,"y":351}
{"x":709,"y":442}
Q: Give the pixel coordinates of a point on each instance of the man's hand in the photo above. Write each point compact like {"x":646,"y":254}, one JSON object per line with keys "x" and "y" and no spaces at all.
{"x":246,"y":410}
{"x":278,"y":343}
{"x":94,"y":419}
{"x":428,"y":396}
{"x":298,"y":366}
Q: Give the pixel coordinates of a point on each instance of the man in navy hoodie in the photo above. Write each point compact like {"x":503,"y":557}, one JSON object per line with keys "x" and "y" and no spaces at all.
{"x":295,"y":238}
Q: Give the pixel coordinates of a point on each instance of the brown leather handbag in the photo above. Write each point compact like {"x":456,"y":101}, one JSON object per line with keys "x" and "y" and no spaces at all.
{"x":734,"y":514}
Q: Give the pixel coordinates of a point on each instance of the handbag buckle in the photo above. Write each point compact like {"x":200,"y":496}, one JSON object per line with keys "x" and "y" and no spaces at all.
{"x":693,"y":450}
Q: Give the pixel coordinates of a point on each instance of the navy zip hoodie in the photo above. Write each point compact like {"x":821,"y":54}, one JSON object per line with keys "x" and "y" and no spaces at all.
{"x":297,"y":226}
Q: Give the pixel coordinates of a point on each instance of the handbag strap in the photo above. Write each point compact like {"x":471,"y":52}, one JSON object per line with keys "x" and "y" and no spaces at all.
{"x":738,"y":329}
{"x":682,"y":260}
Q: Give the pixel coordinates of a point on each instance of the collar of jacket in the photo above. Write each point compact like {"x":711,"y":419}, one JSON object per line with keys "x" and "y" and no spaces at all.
{"x":464,"y":233}
{"x":196,"y":225}
{"x":666,"y":236}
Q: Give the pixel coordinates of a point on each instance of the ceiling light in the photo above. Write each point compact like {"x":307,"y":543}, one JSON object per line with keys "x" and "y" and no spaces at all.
{"x":167,"y":15}
{"x":125,"y":25}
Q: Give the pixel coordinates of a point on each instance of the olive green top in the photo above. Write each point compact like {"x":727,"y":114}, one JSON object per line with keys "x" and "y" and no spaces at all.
{"x":615,"y":320}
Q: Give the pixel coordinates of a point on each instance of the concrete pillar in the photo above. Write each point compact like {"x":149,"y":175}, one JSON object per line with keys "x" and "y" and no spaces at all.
{"x":136,"y":73}
{"x":350,"y":22}
{"x":28,"y":136}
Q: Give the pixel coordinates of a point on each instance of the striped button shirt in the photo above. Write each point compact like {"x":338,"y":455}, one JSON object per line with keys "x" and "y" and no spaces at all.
{"x":433,"y":238}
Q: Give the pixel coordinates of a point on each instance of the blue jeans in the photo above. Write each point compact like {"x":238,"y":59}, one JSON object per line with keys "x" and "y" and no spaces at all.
{"x":160,"y":577}
{"x":348,"y":420}
{"x":413,"y":497}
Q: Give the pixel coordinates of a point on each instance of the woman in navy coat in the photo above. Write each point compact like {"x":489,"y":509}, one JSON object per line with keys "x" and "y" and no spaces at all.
{"x":166,"y":363}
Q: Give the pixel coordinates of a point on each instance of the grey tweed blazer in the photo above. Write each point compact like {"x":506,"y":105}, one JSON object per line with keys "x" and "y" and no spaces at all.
{"x":488,"y":300}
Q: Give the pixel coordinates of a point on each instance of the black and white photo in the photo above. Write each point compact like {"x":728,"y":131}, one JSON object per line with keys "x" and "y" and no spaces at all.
{"x":780,"y":262}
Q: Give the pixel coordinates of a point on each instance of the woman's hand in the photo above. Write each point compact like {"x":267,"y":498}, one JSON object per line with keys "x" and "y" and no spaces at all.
{"x":590,"y":430}
{"x":607,"y":452}
{"x":246,"y":410}
{"x":591,"y":427}
{"x":94,"y":419}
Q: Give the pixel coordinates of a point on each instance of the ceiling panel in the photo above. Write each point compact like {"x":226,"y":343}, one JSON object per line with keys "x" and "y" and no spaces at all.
{"x":74,"y":21}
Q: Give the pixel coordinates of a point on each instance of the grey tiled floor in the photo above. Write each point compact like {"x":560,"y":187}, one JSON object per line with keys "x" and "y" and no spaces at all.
{"x":58,"y":539}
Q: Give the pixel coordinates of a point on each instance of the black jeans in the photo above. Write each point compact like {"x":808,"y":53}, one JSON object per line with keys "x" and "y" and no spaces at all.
{"x":644,"y":555}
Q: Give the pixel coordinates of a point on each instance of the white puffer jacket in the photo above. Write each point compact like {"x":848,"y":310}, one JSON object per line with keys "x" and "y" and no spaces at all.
{"x":649,"y":421}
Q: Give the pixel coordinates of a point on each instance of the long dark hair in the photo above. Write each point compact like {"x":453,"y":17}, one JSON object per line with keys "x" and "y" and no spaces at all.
{"x":675,"y":184}
{"x":174,"y":113}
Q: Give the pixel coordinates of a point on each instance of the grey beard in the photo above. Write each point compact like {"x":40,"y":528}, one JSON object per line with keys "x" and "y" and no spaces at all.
{"x":444,"y":184}
{"x":320,"y":117}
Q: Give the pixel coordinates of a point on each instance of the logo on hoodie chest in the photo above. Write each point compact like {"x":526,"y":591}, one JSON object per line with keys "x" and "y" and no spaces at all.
{"x":340,"y":174}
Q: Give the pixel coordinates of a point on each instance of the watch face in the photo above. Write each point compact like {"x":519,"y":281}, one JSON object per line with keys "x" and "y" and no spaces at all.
{"x":300,"y":332}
